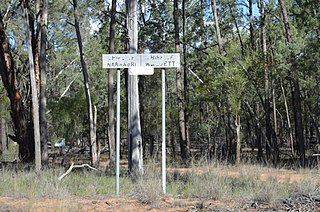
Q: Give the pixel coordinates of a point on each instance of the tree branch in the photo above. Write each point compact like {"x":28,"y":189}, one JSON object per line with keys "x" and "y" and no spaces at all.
{"x":75,"y":166}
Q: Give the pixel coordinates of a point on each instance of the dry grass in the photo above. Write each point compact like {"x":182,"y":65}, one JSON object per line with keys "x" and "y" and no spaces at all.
{"x":203,"y":182}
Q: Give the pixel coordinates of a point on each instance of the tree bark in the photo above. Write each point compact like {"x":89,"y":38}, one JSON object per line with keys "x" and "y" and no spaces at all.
{"x":295,"y":88}
{"x":297,"y":113}
{"x":23,"y":133}
{"x":93,"y":140}
{"x":285,"y":20}
{"x":36,"y":43}
{"x":216,"y":21}
{"x":43,"y":84}
{"x":184,"y":148}
{"x":251,"y":26}
{"x":4,"y":141}
{"x":288,"y":120}
{"x":111,"y":124}
{"x":35,"y":103}
{"x":185,"y":69}
{"x":272,"y":144}
{"x":238,"y":130}
{"x":258,"y":134}
{"x":134,"y":127}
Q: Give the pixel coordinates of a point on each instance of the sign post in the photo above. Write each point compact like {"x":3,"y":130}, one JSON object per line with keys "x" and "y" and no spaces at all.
{"x":163,"y":131}
{"x":118,"y":135}
{"x":141,"y":64}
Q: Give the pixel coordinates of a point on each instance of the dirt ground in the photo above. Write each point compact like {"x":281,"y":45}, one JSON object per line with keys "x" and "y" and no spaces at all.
{"x":107,"y":203}
{"x":167,"y":203}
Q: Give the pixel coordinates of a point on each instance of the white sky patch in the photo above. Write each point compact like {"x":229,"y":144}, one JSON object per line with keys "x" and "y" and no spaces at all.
{"x":94,"y":26}
{"x":255,"y":10}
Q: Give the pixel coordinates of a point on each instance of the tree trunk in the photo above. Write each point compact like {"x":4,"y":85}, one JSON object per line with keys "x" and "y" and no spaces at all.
{"x":134,"y":127}
{"x":111,"y":125}
{"x":171,"y":131}
{"x":297,"y":113}
{"x":275,"y":120}
{"x":142,"y":94}
{"x":93,"y":140}
{"x":185,"y":70}
{"x":272,"y":142}
{"x":288,"y":119}
{"x":238,"y":130}
{"x":184,"y":148}
{"x":296,"y":99}
{"x":4,"y":141}
{"x":258,"y":134}
{"x":23,"y":133}
{"x":35,"y":103}
{"x":285,"y":20}
{"x":36,"y":43}
{"x":251,"y":26}
{"x":216,"y":20}
{"x":237,"y":28}
{"x":43,"y":84}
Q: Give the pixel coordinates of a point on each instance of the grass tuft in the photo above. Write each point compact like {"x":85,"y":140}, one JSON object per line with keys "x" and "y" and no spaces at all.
{"x":147,"y":187}
{"x":209,"y":182}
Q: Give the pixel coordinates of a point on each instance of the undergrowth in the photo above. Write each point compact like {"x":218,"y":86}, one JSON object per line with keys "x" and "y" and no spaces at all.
{"x":204,"y":181}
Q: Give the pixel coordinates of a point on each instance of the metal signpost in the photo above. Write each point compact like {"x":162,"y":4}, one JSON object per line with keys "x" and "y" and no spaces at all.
{"x":141,"y":64}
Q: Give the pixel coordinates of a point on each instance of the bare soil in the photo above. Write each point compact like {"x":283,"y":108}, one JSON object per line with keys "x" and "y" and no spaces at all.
{"x":108,"y":203}
{"x":167,"y":203}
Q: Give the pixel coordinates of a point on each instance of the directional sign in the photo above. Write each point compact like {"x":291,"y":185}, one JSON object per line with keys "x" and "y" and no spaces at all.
{"x":120,"y":60}
{"x":167,"y":60}
{"x":161,"y":60}
{"x":139,"y":64}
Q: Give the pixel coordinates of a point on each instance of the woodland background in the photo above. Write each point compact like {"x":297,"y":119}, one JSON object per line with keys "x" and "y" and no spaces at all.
{"x":248,"y":88}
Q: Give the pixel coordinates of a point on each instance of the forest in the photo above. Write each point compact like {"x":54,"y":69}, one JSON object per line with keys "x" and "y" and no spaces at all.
{"x":247,"y":90}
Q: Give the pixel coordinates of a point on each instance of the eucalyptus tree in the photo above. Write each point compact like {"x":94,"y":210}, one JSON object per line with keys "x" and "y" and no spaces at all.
{"x":216,"y":21}
{"x":184,"y":147}
{"x":95,"y":147}
{"x":68,"y":113}
{"x":296,"y":98}
{"x":12,"y":78}
{"x":43,"y":24}
{"x":135,"y":157}
{"x":272,"y":145}
{"x":35,"y":103}
{"x":111,"y":125}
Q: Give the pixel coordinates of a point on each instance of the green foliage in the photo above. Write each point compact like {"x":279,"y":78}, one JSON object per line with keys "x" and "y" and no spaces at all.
{"x":229,"y":80}
{"x":71,"y":113}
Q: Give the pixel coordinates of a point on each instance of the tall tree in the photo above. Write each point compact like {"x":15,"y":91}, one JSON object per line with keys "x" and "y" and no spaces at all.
{"x":93,"y":140}
{"x":296,"y":99}
{"x":134,"y":128}
{"x":270,"y":134}
{"x":185,"y":68}
{"x":184,"y":147}
{"x":23,"y":132}
{"x":111,"y":131}
{"x":43,"y":83}
{"x":35,"y":103}
{"x":251,"y":26}
{"x":233,"y":15}
{"x":216,"y":24}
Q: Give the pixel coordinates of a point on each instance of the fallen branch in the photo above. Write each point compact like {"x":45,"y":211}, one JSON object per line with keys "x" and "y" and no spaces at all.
{"x":75,"y":166}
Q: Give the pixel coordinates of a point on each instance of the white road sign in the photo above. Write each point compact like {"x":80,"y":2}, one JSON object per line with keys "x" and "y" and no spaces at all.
{"x":161,"y":60}
{"x":166,"y":60}
{"x":141,"y":70}
{"x":120,"y":60}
